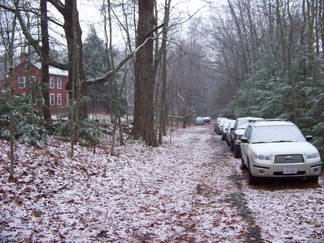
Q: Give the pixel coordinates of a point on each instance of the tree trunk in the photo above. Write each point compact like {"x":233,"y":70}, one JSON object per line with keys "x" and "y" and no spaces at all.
{"x":45,"y":60}
{"x":322,"y":26}
{"x":74,"y":42}
{"x":11,"y":99}
{"x":144,"y":80}
{"x":162,"y":130}
{"x":73,"y":35}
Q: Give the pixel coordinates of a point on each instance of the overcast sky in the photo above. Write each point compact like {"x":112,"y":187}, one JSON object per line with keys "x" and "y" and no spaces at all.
{"x":88,"y":11}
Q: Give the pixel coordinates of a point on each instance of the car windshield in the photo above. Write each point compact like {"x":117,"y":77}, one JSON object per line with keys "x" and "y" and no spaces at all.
{"x":273,"y":134}
{"x":242,"y":124}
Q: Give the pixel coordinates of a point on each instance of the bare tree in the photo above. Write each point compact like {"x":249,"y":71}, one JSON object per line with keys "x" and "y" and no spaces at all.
{"x":8,"y":42}
{"x":45,"y":59}
{"x":73,"y":35}
{"x":144,"y":80}
{"x":163,"y":103}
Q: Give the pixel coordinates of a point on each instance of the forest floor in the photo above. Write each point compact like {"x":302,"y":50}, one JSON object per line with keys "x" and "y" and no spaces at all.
{"x":190,"y":189}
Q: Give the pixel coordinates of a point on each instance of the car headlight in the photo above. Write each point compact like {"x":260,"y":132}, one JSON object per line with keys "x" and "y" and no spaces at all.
{"x":312,"y":155}
{"x":262,"y":156}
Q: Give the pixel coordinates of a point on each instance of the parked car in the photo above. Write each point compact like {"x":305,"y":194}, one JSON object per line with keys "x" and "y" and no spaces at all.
{"x":228,"y":134}
{"x":199,"y":120}
{"x":237,"y":133}
{"x":272,"y":148}
{"x":207,"y":119}
{"x":225,"y":128}
{"x":217,"y":124}
{"x":221,"y":126}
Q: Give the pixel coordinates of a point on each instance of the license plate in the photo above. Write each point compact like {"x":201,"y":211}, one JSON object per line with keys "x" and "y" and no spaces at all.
{"x":290,"y":170}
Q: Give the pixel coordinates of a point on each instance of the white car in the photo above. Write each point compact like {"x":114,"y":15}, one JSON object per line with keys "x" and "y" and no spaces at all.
{"x":228,"y":134}
{"x":226,"y":128}
{"x":199,"y":120}
{"x":207,"y":119}
{"x":273,"y":148}
{"x":217,"y":127}
{"x":237,"y":132}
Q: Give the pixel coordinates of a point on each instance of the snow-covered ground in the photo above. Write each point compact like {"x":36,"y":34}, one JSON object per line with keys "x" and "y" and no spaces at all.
{"x":190,"y":189}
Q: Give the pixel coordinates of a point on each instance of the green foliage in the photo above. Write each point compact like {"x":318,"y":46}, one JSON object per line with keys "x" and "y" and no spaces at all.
{"x":265,"y":94}
{"x":63,"y":127}
{"x":97,"y":62}
{"x":27,"y":123}
{"x":268,"y":94}
{"x":318,"y":141}
{"x":89,"y":131}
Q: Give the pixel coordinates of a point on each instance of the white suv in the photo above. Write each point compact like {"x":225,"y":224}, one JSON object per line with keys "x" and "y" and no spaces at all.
{"x":277,"y":148}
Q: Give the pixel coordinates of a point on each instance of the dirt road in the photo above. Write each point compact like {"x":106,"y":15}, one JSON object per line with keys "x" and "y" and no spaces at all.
{"x":190,"y":189}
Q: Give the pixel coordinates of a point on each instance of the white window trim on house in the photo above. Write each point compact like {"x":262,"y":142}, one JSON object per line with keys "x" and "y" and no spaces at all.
{"x":52,"y":82}
{"x":59,"y":99}
{"x":52,"y":99}
{"x":59,"y":83}
{"x":21,"y":82}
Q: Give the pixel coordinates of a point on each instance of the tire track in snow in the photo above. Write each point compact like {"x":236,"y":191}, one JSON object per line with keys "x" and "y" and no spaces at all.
{"x":237,"y":197}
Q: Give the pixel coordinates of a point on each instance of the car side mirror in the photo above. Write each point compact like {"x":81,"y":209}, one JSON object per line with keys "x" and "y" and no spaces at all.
{"x":309,"y":137}
{"x":244,"y":140}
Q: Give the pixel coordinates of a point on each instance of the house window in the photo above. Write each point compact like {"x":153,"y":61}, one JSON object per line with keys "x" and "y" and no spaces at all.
{"x":52,"y":99}
{"x":32,"y":80}
{"x":59,"y":99}
{"x":59,"y":83}
{"x":21,"y":82}
{"x":52,"y":82}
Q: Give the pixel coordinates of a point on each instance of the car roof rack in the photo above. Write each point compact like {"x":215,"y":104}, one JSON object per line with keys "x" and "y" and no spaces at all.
{"x":265,"y":120}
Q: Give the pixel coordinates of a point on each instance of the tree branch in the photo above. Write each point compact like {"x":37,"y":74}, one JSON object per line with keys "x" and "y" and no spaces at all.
{"x":58,"y":5}
{"x":116,"y":69}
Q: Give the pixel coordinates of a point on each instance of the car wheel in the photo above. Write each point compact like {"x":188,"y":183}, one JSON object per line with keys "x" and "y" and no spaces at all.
{"x":313,"y":179}
{"x":243,"y":166}
{"x":252,"y":179}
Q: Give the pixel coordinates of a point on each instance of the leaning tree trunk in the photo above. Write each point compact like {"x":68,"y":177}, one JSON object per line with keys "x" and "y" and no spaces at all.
{"x":144,"y":80}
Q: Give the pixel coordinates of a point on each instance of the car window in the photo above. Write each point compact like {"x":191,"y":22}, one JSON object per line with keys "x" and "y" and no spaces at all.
{"x":238,"y":124}
{"x":268,"y":134}
{"x":248,"y":132}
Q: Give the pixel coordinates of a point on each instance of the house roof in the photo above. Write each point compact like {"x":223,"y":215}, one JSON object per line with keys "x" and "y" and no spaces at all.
{"x":56,"y":71}
{"x":53,"y":70}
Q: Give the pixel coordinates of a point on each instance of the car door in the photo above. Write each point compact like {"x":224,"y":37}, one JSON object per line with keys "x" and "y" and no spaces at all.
{"x":244,"y":146}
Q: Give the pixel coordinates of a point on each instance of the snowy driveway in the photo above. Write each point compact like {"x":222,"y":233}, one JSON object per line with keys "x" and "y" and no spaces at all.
{"x":191,"y":190}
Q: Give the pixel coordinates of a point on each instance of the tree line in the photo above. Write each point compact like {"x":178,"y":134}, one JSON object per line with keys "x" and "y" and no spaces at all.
{"x":267,"y":57}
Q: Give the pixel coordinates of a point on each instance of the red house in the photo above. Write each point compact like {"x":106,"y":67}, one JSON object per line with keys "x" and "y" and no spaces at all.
{"x":27,"y":79}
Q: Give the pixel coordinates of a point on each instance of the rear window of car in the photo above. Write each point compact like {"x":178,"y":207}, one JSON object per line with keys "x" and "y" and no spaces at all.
{"x":269,"y":134}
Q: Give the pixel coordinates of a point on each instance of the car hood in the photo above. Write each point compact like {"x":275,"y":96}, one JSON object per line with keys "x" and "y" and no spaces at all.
{"x":284,"y":148}
{"x":240,"y":131}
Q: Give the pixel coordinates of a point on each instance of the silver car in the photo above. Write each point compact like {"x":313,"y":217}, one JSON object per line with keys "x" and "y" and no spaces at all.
{"x":199,"y":120}
{"x":272,"y":148}
{"x":236,"y":133}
